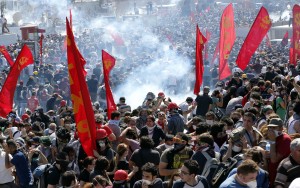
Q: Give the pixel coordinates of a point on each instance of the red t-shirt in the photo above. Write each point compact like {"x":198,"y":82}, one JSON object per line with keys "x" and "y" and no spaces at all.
{"x":283,"y":147}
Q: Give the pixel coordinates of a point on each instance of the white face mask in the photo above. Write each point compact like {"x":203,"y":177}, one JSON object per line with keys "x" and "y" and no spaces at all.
{"x":169,"y":146}
{"x":146,"y":182}
{"x":228,"y":132}
{"x":101,"y":144}
{"x":236,"y":148}
{"x":252,"y":184}
{"x":277,"y":133}
{"x":194,"y":127}
{"x":210,"y":122}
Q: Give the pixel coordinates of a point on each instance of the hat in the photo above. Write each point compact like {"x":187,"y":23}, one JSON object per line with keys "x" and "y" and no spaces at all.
{"x":172,"y":105}
{"x":244,"y":76}
{"x":161,"y":94}
{"x":275,"y":122}
{"x":36,"y":139}
{"x":206,"y":89}
{"x":120,"y":175}
{"x":20,"y":141}
{"x":45,"y":140}
{"x":63,"y":103}
{"x":100,"y":134}
{"x":236,"y":74}
{"x":267,"y":108}
{"x":24,"y":117}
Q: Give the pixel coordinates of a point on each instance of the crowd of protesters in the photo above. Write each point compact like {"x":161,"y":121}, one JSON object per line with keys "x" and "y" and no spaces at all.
{"x":250,"y":120}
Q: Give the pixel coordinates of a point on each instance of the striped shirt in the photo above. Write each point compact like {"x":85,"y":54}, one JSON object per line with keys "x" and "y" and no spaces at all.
{"x":287,"y":171}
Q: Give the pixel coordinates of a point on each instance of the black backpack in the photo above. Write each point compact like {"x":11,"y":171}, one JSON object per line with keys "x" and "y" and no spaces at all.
{"x":40,"y":175}
{"x":221,"y":173}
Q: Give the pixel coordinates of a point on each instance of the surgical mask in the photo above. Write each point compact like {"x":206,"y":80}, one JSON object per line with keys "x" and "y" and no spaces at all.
{"x":228,"y":132}
{"x":194,"y":127}
{"x":169,"y":146}
{"x":237,"y":149}
{"x":101,"y":144}
{"x":277,"y":133}
{"x":210,"y":122}
{"x":146,"y":182}
{"x":252,"y":184}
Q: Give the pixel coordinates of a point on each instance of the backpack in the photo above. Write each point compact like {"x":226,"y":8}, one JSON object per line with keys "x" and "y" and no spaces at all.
{"x":40,"y":175}
{"x":221,"y":173}
{"x":211,"y":165}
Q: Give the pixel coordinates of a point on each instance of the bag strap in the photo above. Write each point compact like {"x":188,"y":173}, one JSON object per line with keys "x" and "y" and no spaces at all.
{"x":205,"y":171}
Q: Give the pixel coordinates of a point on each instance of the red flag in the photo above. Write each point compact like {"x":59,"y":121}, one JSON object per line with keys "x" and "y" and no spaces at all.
{"x":82,"y":105}
{"x":285,"y":39}
{"x":206,"y":45}
{"x":7,"y":93}
{"x":268,"y":42}
{"x":296,"y":35}
{"x":41,"y":47}
{"x":227,"y":38}
{"x":108,"y":63}
{"x":258,"y":31}
{"x":200,"y":40}
{"x":291,"y":55}
{"x":6,"y":55}
{"x":117,"y":38}
{"x":217,"y":50}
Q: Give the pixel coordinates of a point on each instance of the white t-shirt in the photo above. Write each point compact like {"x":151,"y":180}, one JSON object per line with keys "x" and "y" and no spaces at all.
{"x":198,"y":185}
{"x":295,"y":183}
{"x":5,"y":174}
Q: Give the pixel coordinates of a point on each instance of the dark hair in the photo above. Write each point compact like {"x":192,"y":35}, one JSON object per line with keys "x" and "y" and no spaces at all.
{"x":88,"y":161}
{"x":192,"y":166}
{"x":247,"y":166}
{"x":12,"y":143}
{"x":146,"y":142}
{"x":102,"y":164}
{"x":202,"y":128}
{"x":215,"y":129}
{"x":206,"y":138}
{"x":227,"y":120}
{"x":99,"y":180}
{"x":296,"y":107}
{"x":131,"y":134}
{"x":151,"y":168}
{"x":115,"y":114}
{"x":151,"y":117}
{"x":255,"y":95}
{"x":68,"y":149}
{"x":251,"y":115}
{"x":67,"y":178}
{"x":255,"y":155}
{"x":61,"y":156}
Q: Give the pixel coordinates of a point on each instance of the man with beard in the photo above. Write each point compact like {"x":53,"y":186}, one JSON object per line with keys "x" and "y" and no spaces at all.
{"x":57,"y":169}
{"x":172,"y":159}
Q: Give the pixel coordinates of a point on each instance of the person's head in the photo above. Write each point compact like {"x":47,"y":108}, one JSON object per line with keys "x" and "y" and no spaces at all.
{"x":120,"y":178}
{"x":295,"y":150}
{"x":63,"y":136}
{"x":70,"y":151}
{"x":132,"y":121}
{"x":52,"y":128}
{"x":115,"y":115}
{"x":275,"y":127}
{"x":12,"y":146}
{"x":169,"y":140}
{"x":150,"y":121}
{"x":296,"y":107}
{"x":99,"y":118}
{"x":205,"y":140}
{"x":146,"y":142}
{"x":235,"y":116}
{"x":101,"y":139}
{"x":254,"y":154}
{"x":122,"y":100}
{"x":267,"y":110}
{"x":189,"y":100}
{"x":99,"y":182}
{"x":217,"y":130}
{"x":89,"y":163}
{"x":102,"y":164}
{"x":69,"y":180}
{"x":206,"y":90}
{"x":189,"y":170}
{"x":248,"y":120}
{"x":149,"y":171}
{"x":172,"y":107}
{"x":122,"y":150}
{"x":210,"y":117}
{"x":62,"y":161}
{"x":229,"y":124}
{"x":180,"y":141}
{"x":247,"y":172}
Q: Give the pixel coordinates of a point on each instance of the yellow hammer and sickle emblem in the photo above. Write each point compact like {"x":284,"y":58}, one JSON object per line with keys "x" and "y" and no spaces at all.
{"x":227,"y":22}
{"x":22,"y":61}
{"x":2,"y":49}
{"x":107,"y":64}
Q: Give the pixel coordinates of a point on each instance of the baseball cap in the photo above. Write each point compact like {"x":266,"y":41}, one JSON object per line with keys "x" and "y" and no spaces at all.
{"x":100,"y":134}
{"x":120,"y":175}
{"x":267,"y":108}
{"x":45,"y":140}
{"x":275,"y":122}
{"x":206,"y":89}
{"x":24,"y":117}
{"x":63,"y":103}
{"x":172,"y":105}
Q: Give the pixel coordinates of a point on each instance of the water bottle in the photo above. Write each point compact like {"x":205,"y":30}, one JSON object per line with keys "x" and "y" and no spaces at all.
{"x":268,"y":146}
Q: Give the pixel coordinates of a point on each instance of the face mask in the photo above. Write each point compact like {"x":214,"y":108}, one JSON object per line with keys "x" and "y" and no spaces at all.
{"x":210,"y":122}
{"x":194,"y":127}
{"x":277,"y":133}
{"x":101,"y":144}
{"x":236,"y":149}
{"x":168,"y":146}
{"x":228,"y":132}
{"x":218,"y":88}
{"x":246,"y":83}
{"x":146,"y":182}
{"x":252,"y":184}
{"x":179,"y":147}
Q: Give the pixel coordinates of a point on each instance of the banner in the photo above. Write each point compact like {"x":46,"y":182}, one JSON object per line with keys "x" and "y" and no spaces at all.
{"x":199,"y":68}
{"x":82,"y":105}
{"x":296,"y":34}
{"x":285,"y":39}
{"x":227,"y":38}
{"x":217,"y":50}
{"x":24,"y":59}
{"x":258,"y":31}
{"x":108,"y":63}
{"x":206,"y":45}
{"x":41,"y":48}
{"x":6,"y":55}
